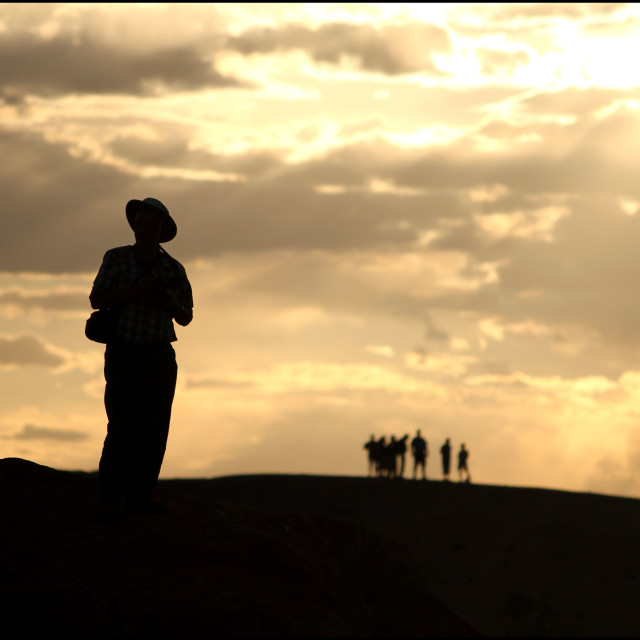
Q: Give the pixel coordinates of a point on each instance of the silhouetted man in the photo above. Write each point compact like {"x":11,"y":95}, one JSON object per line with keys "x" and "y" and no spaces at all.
{"x":381,"y":452}
{"x":463,"y":468}
{"x":420,"y":452}
{"x":390,"y":458}
{"x":149,"y":290}
{"x":445,"y":451}
{"x":371,"y":447}
{"x":401,"y":451}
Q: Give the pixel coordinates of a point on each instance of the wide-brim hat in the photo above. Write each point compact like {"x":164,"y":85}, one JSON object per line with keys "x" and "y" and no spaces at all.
{"x":169,"y":227}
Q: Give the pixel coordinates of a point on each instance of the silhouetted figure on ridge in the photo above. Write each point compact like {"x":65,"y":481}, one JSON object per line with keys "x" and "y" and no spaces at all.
{"x":401,"y":452}
{"x":419,"y":449}
{"x":380,"y":449}
{"x":388,"y":459}
{"x":393,"y":458}
{"x":463,"y":467}
{"x":445,"y":451}
{"x":148,"y":289}
{"x":371,"y":448}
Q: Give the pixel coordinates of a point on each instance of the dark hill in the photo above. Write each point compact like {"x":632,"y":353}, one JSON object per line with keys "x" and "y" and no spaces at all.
{"x":315,"y":556}
{"x":210,"y":567}
{"x":510,"y":561}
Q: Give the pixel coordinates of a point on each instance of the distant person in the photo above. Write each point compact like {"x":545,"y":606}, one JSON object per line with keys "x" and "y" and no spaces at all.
{"x":148,"y":289}
{"x":381,"y":449}
{"x":463,"y":466}
{"x":371,"y":447}
{"x":390,"y":461}
{"x":401,"y":452}
{"x":445,"y":452}
{"x":419,"y":449}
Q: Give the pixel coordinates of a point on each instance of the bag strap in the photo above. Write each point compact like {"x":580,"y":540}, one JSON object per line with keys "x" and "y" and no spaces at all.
{"x":172,"y":261}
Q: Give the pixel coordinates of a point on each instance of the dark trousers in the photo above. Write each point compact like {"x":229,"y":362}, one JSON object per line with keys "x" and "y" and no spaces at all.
{"x":140,"y":385}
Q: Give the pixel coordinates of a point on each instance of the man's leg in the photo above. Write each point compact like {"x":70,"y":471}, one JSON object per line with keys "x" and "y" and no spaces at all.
{"x":118,"y":398}
{"x":156,"y":392}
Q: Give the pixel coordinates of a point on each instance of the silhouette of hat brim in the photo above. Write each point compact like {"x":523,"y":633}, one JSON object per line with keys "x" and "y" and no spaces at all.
{"x":169,"y":227}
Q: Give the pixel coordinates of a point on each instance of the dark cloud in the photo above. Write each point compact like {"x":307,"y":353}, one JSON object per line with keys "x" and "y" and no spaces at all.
{"x":585,"y":278}
{"x":584,"y":158}
{"x":27,"y":350}
{"x":174,"y":152}
{"x":76,"y":212}
{"x":61,"y":213}
{"x":58,"y":66}
{"x":32,"y":432}
{"x":319,"y":279}
{"x":392,"y":50}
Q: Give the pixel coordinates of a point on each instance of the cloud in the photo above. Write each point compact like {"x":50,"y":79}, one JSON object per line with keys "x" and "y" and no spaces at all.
{"x":440,"y":365}
{"x":56,"y":300}
{"x":28,"y":350}
{"x":530,"y":250}
{"x":575,"y":102}
{"x":497,"y":62}
{"x":217,"y":383}
{"x":87,"y":197}
{"x":540,"y":13}
{"x":61,"y":65}
{"x":435,"y":333}
{"x":553,"y":10}
{"x":31,"y":432}
{"x":391,"y":50}
{"x":313,"y":377}
{"x":85,"y":202}
{"x":539,"y":230}
{"x":383,"y":350}
{"x":72,"y":216}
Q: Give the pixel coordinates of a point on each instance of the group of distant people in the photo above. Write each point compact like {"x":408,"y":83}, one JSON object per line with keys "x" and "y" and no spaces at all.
{"x":387,"y":459}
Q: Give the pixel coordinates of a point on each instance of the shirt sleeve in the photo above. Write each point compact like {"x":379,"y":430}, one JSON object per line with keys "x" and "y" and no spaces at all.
{"x":106,"y":278}
{"x":183,"y":287}
{"x":186,"y":294}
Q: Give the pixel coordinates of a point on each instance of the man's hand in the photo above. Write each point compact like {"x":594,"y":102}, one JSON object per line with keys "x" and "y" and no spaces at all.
{"x":182,"y":315}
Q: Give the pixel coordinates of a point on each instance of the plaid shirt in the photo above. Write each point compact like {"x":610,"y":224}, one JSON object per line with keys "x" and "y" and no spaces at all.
{"x":142,"y":322}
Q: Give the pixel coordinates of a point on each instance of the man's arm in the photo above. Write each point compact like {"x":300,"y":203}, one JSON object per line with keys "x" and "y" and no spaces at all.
{"x":181,"y":314}
{"x":181,"y":305}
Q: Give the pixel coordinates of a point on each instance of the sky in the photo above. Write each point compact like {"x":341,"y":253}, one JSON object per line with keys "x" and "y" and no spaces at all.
{"x":393,"y":216}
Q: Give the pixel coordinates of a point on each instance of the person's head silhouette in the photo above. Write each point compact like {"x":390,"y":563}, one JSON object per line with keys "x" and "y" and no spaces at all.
{"x":155,"y":214}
